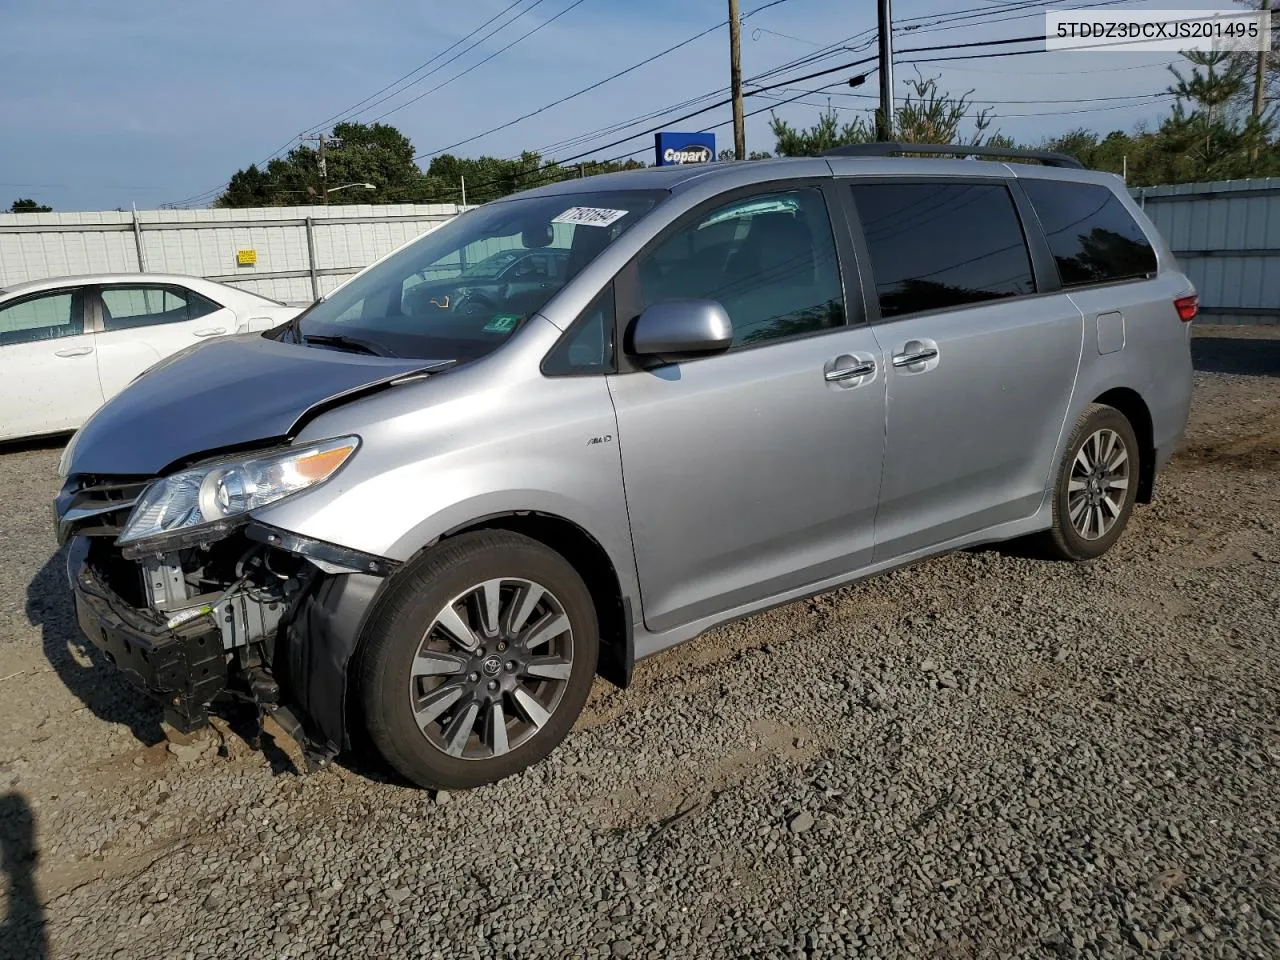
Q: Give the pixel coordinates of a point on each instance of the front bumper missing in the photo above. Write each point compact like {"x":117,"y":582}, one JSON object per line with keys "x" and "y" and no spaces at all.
{"x":301,"y":680}
{"x":183,"y":667}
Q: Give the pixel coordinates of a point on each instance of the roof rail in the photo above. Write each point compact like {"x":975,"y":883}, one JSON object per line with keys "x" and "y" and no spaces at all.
{"x":880,"y":149}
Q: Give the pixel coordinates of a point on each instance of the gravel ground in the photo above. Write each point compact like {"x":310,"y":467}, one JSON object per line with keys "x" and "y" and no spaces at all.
{"x":980,"y":756}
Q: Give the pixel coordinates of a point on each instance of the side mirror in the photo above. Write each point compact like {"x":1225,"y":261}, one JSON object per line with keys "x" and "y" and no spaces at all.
{"x":679,"y":329}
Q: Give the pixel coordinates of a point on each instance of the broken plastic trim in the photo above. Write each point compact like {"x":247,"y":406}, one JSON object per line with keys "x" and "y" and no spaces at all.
{"x":329,"y":557}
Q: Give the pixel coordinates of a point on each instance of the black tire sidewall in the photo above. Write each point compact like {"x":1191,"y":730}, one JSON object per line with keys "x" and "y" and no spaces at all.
{"x":1076,"y":546}
{"x":395,"y":632}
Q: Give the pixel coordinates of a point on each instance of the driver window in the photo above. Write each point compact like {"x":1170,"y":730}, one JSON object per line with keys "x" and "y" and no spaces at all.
{"x":769,"y":260}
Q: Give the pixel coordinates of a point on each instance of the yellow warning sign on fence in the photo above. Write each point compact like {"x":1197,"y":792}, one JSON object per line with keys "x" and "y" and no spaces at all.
{"x":246,"y":258}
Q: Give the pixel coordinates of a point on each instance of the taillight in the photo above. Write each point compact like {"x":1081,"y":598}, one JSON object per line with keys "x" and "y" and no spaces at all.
{"x":1187,"y":307}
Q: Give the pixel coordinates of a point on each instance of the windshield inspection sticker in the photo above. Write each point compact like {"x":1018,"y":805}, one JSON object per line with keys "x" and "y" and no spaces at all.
{"x":590,"y":216}
{"x":502,"y":323}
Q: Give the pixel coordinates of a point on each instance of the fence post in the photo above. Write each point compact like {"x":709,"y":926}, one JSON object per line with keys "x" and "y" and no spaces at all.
{"x":311,"y":258}
{"x":137,"y":239}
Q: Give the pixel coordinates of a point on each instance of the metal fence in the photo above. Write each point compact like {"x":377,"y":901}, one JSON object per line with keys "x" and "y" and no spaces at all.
{"x":288,"y":253}
{"x":1226,"y":236}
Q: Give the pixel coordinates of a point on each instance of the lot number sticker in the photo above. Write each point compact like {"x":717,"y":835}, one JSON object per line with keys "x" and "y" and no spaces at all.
{"x":590,"y":216}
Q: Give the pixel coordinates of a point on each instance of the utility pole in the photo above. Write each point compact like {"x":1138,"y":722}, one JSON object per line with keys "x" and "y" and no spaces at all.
{"x":324,"y":175}
{"x":322,"y":142}
{"x":884,"y":119}
{"x":1259,"y":78}
{"x":735,"y":81}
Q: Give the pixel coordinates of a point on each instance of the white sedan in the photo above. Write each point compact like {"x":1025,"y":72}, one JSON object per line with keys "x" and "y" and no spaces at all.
{"x":68,"y":344}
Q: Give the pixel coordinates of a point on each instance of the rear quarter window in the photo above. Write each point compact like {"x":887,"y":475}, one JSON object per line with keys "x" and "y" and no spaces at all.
{"x":1093,"y":238}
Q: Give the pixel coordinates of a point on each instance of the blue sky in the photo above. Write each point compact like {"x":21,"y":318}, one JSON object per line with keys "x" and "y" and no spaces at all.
{"x":108,"y":104}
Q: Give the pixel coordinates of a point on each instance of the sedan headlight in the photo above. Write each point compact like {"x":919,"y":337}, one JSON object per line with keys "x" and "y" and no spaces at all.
{"x":211,"y":494}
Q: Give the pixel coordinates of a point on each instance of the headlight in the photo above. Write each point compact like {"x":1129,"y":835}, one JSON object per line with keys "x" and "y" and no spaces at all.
{"x":209,"y":495}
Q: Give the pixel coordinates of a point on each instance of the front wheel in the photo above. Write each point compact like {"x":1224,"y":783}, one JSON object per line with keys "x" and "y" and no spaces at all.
{"x":478,"y":660}
{"x":1097,"y":483}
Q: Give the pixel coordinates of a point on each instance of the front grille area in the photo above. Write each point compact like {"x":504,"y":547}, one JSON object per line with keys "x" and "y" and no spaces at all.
{"x":96,"y":506}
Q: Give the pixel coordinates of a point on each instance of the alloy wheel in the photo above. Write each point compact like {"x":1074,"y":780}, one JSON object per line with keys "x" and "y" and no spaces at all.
{"x":491,"y":668}
{"x":1098,"y":484}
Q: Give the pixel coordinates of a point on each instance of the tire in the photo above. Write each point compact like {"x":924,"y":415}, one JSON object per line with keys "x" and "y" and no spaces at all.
{"x":418,"y":681}
{"x":1077,"y":532}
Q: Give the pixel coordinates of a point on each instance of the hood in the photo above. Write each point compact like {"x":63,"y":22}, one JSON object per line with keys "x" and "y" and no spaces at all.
{"x":223,"y":393}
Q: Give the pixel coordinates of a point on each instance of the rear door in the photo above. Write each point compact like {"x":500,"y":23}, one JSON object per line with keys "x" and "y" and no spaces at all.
{"x":982,"y":353}
{"x":753,"y":472}
{"x":139,"y":324}
{"x":48,"y":371}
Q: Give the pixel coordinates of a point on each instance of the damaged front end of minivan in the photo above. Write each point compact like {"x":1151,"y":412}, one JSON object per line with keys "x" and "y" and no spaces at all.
{"x":196,"y":602}
{"x":175,"y":577}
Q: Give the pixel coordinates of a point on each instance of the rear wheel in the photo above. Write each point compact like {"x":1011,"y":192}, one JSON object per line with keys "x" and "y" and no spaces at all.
{"x":478,"y":661}
{"x":1097,"y":483}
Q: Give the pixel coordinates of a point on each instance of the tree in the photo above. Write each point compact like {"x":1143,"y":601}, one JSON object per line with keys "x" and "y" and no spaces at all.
{"x":1211,"y":134}
{"x":378,"y":154}
{"x":751,"y":155}
{"x":488,"y":178}
{"x":928,"y":115}
{"x":27,"y":205}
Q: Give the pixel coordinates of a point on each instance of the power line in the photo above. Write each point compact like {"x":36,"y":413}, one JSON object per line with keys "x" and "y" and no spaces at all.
{"x":1131,"y":96}
{"x":1002,"y":116}
{"x":773,"y":72}
{"x":365,"y":104}
{"x":792,"y":80}
{"x":422,"y":66}
{"x":1068,"y":73}
{"x":597,"y":84}
{"x":496,"y":53}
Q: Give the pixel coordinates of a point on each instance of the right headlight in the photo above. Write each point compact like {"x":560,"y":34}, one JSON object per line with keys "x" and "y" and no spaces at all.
{"x":210,"y":495}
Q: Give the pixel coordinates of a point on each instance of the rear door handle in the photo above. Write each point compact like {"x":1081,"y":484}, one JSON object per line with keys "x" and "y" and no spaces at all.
{"x":859,"y":369}
{"x":914,"y":357}
{"x":73,"y":352}
{"x":211,"y":331}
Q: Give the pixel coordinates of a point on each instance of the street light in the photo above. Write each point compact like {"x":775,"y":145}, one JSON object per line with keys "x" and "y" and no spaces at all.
{"x":362,"y":186}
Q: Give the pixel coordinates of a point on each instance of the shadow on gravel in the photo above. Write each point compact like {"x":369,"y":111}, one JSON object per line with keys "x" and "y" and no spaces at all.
{"x":1243,"y":355}
{"x":22,"y":929}
{"x":78,"y":663}
{"x":55,"y":442}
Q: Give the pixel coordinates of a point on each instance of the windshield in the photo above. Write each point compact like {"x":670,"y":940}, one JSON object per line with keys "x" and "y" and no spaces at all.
{"x":463,"y":289}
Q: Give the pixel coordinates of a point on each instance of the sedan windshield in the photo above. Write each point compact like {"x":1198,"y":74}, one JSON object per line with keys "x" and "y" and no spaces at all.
{"x":462,"y":290}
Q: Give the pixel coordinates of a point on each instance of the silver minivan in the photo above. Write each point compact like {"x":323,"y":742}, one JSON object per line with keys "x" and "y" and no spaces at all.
{"x":576,"y":426}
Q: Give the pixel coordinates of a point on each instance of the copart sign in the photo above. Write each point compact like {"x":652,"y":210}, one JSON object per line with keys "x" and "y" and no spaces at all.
{"x":679,"y":148}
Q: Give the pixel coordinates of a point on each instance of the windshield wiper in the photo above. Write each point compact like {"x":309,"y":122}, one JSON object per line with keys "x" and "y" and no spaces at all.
{"x":352,"y":344}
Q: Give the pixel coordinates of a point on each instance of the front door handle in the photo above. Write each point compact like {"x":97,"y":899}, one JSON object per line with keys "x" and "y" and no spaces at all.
{"x":859,"y":369}
{"x":211,"y":331}
{"x":914,"y":357}
{"x":73,"y":352}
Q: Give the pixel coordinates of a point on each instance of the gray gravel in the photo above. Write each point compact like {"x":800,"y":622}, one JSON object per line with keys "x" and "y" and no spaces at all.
{"x":984,"y":755}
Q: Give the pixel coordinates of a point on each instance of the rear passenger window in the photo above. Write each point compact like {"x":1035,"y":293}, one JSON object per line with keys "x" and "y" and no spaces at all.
{"x":1091,"y":234}
{"x":125,"y":308}
{"x":939,"y":245}
{"x":769,"y":260}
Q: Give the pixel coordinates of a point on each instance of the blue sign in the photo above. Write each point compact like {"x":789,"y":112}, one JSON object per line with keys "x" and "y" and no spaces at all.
{"x":673,"y":148}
